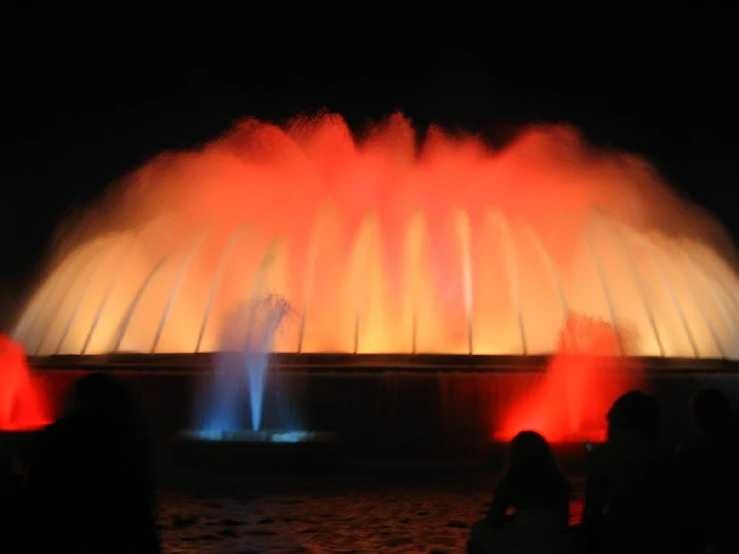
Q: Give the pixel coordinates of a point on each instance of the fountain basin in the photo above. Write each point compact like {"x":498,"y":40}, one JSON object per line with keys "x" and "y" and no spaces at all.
{"x":408,"y":408}
{"x":259,"y":452}
{"x":256,"y":451}
{"x":260,"y":436}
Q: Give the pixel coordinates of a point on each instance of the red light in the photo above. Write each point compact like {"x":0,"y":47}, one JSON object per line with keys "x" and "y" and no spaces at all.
{"x":22,"y":405}
{"x":581,"y":382}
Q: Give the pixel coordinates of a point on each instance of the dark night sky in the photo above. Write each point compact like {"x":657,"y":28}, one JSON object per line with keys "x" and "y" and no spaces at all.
{"x":87,"y":98}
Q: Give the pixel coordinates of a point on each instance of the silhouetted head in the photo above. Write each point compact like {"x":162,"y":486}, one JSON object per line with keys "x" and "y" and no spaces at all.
{"x":635,"y":414}
{"x":711,"y":411}
{"x":101,"y":394}
{"x":531,"y":459}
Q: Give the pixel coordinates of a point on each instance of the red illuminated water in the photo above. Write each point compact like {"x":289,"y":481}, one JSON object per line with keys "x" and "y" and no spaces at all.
{"x":583,"y":379}
{"x":22,"y":404}
{"x":390,"y":242}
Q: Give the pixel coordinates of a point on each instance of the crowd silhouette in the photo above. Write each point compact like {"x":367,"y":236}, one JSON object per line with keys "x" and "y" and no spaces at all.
{"x":640,"y":497}
{"x":88,"y":488}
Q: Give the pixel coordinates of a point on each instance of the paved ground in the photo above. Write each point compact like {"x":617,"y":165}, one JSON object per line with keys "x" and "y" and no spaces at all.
{"x":202,"y":512}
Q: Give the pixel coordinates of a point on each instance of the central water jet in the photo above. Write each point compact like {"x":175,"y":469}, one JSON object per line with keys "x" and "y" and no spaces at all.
{"x":241,"y":371}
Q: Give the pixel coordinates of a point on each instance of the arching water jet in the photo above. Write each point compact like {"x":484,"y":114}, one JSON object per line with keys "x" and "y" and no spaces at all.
{"x":176,"y":288}
{"x":120,"y":335}
{"x":80,"y":301}
{"x":221,"y":269}
{"x":463,"y":232}
{"x":511,"y":266}
{"x":604,"y":282}
{"x":89,"y":263}
{"x":106,"y":297}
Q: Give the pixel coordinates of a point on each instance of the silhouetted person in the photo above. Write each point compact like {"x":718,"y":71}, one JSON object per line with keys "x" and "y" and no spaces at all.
{"x":10,"y":501}
{"x":539,"y":496}
{"x":630,"y":494}
{"x":89,"y":486}
{"x":709,"y":462}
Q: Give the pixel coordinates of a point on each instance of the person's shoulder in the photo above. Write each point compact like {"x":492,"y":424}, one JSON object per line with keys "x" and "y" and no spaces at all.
{"x":49,"y":437}
{"x":507,"y":486}
{"x":62,"y":427}
{"x":613,"y":453}
{"x":562,"y":487}
{"x":689,"y":447}
{"x":601,"y":452}
{"x":564,"y":483}
{"x":52,"y":429}
{"x":504,"y":483}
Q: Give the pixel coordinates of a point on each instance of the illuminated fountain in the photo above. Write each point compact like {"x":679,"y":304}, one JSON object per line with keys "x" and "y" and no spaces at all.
{"x":383,"y":250}
{"x":22,"y":405}
{"x":386,"y":247}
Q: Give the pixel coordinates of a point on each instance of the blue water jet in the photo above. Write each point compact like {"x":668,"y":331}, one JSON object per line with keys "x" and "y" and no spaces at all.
{"x":242,"y":364}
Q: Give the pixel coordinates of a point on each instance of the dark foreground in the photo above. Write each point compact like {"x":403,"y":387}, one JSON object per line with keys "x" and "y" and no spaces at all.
{"x":414,"y":513}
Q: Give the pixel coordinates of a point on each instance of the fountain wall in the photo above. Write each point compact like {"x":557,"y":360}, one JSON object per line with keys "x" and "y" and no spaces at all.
{"x":381,"y":411}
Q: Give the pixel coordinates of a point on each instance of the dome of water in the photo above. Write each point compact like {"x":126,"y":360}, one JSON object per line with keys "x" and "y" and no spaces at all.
{"x":387,"y":243}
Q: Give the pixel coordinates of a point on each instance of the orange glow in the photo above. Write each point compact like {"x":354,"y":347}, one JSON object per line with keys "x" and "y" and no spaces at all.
{"x":382,"y":245}
{"x":581,"y":383}
{"x":22,"y":405}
